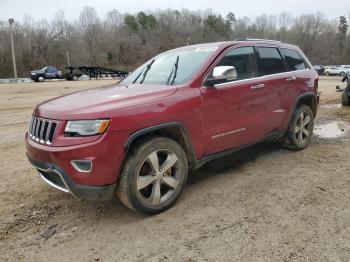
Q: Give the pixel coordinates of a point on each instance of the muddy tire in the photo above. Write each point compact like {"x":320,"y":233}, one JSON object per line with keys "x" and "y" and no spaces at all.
{"x":301,"y":127}
{"x":153,"y":176}
{"x":345,"y":97}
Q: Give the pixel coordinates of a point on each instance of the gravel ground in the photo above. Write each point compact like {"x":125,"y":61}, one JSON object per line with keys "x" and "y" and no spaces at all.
{"x":265,"y":203}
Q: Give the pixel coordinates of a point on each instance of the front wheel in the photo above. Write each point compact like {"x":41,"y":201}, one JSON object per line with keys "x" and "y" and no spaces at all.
{"x":301,"y":127}
{"x":153,"y":176}
{"x":41,"y":79}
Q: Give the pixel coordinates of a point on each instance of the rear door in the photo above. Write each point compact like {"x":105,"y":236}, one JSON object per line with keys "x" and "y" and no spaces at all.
{"x":275,"y":78}
{"x":234,"y":111}
{"x":299,"y":79}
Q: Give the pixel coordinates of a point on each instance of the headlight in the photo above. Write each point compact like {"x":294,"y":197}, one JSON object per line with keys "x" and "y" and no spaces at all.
{"x":86,"y":127}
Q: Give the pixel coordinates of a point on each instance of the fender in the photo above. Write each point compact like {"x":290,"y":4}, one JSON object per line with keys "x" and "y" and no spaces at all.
{"x":152,"y":129}
{"x":299,"y":98}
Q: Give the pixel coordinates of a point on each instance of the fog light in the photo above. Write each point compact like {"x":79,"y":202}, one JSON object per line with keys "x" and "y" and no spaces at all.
{"x":82,"y":165}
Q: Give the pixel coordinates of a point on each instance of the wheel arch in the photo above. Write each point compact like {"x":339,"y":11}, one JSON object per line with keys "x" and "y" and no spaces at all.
{"x":308,"y":99}
{"x":304,"y":99}
{"x":174,"y":130}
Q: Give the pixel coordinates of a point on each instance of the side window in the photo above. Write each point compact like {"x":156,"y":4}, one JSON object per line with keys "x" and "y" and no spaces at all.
{"x":243,"y":59}
{"x":294,"y":60}
{"x":271,"y":60}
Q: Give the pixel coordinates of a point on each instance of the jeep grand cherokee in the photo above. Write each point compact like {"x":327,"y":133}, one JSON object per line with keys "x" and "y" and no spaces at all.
{"x":137,"y":139}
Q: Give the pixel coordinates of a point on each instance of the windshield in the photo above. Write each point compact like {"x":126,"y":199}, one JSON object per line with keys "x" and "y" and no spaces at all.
{"x":170,"y":68}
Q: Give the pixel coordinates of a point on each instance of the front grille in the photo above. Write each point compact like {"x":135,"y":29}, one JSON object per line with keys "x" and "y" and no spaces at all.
{"x":42,"y":130}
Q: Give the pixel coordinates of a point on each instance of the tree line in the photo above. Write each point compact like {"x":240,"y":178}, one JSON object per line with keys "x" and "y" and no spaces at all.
{"x":124,"y":41}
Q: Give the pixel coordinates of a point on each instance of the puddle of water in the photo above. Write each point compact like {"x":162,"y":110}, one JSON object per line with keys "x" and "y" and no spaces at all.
{"x":334,"y":129}
{"x":331,"y":106}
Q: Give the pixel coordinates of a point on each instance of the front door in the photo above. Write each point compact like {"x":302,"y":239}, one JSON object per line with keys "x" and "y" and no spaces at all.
{"x":234,"y":111}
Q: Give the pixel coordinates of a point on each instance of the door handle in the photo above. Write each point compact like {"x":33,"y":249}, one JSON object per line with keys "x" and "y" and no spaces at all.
{"x":255,"y":87}
{"x":290,"y":79}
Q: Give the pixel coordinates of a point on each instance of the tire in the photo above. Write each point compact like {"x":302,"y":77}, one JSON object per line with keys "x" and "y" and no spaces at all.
{"x":301,"y":127}
{"x":327,"y":74}
{"x":342,"y":73}
{"x":145,"y":190}
{"x":75,"y":78}
{"x":345,"y":97}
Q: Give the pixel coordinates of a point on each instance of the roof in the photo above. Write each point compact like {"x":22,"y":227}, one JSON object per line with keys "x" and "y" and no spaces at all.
{"x":239,"y":40}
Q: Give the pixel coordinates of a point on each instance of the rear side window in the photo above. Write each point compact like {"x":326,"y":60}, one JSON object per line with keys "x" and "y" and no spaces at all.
{"x":244,"y":61}
{"x":293,"y":59}
{"x":271,"y":61}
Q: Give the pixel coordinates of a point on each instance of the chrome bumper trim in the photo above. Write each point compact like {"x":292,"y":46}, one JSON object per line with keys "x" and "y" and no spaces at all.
{"x":54,"y":185}
{"x":66,"y":190}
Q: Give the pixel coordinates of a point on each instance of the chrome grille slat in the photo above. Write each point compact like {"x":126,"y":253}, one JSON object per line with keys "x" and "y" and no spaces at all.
{"x":43,"y":123}
{"x":30,"y":125}
{"x":42,"y":130}
{"x":37,"y":130}
{"x":34,"y":126}
{"x":47,"y":135}
{"x":36,"y":133}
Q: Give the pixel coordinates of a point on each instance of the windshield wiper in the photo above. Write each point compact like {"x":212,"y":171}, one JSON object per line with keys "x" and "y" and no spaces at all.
{"x":144,"y":74}
{"x":173,"y":72}
{"x":146,"y":71}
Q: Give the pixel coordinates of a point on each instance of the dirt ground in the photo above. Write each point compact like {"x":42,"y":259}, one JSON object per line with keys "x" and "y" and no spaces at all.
{"x":266,"y":203}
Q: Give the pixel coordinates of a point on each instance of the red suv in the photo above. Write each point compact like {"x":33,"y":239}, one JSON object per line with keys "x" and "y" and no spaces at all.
{"x":181,"y":109}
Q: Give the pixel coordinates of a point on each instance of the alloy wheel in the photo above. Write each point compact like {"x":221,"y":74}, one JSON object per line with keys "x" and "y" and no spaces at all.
{"x":158,"y":177}
{"x":302,"y":130}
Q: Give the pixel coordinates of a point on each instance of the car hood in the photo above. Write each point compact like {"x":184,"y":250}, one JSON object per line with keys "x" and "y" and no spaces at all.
{"x":102,"y":102}
{"x":37,"y":71}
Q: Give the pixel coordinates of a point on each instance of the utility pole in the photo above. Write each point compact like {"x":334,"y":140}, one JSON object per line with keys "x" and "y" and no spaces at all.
{"x":11,"y":21}
{"x":68,"y":60}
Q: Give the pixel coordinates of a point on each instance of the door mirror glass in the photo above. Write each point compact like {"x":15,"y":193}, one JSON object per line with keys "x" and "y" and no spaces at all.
{"x":221,"y":74}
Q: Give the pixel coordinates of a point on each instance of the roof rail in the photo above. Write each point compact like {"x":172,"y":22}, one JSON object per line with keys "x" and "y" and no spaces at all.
{"x":256,"y":39}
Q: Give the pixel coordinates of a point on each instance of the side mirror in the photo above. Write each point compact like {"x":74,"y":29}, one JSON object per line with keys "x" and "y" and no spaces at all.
{"x":221,"y":74}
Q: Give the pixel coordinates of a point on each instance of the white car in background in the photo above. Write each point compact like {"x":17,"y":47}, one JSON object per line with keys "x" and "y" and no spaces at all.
{"x":337,"y":70}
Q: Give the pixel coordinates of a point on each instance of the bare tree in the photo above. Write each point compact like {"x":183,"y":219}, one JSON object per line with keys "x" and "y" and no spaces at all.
{"x":89,"y":26}
{"x":126,"y":40}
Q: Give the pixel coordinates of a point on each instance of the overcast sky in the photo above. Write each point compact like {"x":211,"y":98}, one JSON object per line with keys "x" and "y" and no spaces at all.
{"x":46,"y":8}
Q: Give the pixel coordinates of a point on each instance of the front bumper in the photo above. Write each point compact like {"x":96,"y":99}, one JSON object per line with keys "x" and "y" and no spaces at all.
{"x":106,"y":154}
{"x":56,"y":177}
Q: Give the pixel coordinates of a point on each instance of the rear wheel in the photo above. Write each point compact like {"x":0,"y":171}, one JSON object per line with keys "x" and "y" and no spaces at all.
{"x":327,"y":73}
{"x":153,"y":176}
{"x":301,"y":127}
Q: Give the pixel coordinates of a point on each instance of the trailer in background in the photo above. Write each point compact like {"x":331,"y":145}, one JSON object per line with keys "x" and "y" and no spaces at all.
{"x":74,"y":73}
